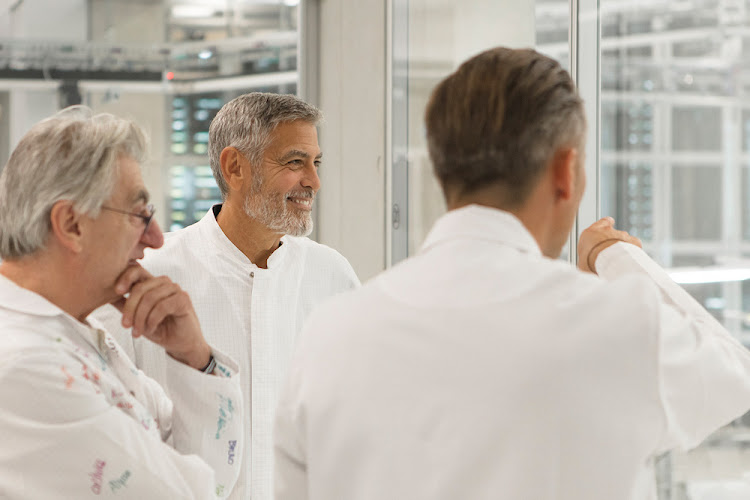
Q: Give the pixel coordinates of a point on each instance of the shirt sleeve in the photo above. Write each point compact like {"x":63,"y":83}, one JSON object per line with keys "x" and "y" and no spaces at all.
{"x":207,"y":417}
{"x":704,"y":372}
{"x":64,"y":439}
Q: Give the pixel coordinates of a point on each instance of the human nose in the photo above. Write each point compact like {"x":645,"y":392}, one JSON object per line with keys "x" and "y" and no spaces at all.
{"x":153,"y":237}
{"x":311,"y":179}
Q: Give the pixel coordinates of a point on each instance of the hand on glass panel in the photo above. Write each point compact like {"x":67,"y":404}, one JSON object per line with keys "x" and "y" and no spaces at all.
{"x":161,"y":311}
{"x":598,"y":236}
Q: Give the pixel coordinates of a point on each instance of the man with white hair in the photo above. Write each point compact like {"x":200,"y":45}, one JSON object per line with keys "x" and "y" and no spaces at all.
{"x":77,"y":418}
{"x":252,"y":274}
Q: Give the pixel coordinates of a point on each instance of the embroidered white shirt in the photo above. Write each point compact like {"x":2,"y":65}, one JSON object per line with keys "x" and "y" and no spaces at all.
{"x":251,"y":313}
{"x":481,"y":370}
{"x":78,"y":420}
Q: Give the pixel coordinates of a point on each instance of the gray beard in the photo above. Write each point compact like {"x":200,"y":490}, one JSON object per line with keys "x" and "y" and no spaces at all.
{"x":273,"y":211}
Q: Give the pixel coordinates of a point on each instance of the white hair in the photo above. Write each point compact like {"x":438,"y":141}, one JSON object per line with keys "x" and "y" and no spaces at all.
{"x":73,"y":155}
{"x":246,"y":123}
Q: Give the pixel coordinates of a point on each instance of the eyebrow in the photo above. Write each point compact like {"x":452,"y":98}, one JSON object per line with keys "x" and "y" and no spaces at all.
{"x":298,"y":153}
{"x":140,"y":196}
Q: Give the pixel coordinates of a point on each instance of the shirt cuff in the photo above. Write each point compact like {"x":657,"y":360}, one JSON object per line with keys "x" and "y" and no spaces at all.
{"x":208,"y":416}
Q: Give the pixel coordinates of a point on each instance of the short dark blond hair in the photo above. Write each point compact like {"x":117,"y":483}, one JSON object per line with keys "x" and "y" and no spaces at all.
{"x":499,"y":118}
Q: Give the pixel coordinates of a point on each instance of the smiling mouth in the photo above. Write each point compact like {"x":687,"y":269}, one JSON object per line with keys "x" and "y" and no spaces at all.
{"x":305,"y":203}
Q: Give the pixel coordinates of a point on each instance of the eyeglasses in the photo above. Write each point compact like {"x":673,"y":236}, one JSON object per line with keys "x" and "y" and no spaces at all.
{"x":145,"y":218}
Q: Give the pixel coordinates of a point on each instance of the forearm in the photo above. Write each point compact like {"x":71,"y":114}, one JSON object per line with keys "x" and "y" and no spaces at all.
{"x":704,"y":372}
{"x":207,"y":417}
{"x":197,"y":358}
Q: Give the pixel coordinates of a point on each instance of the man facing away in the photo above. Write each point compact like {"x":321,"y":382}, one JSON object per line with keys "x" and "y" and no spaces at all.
{"x":251,"y":273}
{"x":77,"y":419}
{"x":483,"y":368}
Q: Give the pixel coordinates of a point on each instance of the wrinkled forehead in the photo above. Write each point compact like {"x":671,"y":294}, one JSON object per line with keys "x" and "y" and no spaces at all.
{"x":295,"y":135}
{"x":129,"y":187}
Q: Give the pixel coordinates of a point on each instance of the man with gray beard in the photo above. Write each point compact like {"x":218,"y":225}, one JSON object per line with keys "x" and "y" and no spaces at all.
{"x":252,"y":274}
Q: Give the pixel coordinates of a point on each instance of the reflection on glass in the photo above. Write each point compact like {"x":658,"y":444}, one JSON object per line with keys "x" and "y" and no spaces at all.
{"x":627,"y":195}
{"x":674,"y":136}
{"x":696,"y":128}
{"x":441,"y":35}
{"x":630,"y":127}
{"x":696,"y":203}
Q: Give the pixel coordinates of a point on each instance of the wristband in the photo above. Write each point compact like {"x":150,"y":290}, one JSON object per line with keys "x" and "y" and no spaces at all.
{"x":588,"y":257}
{"x":209,"y":368}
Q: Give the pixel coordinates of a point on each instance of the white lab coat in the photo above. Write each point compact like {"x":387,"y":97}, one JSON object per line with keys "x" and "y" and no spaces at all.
{"x":78,"y":420}
{"x":481,"y":370}
{"x":251,"y":313}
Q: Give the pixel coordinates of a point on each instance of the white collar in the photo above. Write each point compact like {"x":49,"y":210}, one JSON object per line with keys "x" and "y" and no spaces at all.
{"x":478,"y":222}
{"x":225,"y":249}
{"x":18,"y":298}
{"x":22,"y":300}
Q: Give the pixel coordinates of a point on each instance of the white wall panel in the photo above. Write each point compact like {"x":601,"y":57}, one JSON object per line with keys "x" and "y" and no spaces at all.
{"x":352,"y":98}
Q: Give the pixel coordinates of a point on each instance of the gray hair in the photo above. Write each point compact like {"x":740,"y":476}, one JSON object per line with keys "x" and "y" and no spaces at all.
{"x":499,"y":118}
{"x":246,"y":123}
{"x":73,"y":155}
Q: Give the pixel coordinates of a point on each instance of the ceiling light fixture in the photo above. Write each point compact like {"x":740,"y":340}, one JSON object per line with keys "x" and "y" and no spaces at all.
{"x":192,"y":11}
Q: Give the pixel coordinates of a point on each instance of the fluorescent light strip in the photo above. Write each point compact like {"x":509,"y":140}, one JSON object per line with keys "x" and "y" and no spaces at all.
{"x":692,"y":276}
{"x":192,"y":11}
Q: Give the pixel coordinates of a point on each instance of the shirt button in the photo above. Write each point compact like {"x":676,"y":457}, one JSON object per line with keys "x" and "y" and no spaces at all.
{"x":252,"y":274}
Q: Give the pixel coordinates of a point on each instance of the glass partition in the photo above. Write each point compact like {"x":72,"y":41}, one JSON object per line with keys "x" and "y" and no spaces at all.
{"x":673,"y":172}
{"x":429,"y":40}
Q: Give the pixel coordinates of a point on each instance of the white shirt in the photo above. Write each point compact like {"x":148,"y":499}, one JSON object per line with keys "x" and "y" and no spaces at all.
{"x":78,"y":420}
{"x":251,"y":313}
{"x":481,"y":370}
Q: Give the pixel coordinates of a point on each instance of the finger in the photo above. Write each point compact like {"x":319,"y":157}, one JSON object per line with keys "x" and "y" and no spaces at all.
{"x":622,"y":235}
{"x":171,"y":306}
{"x":607,"y":221}
{"x":137,"y":292}
{"x":133,"y":274}
{"x":602,"y":224}
{"x":148,"y":301}
{"x":634,"y":241}
{"x":629,"y":238}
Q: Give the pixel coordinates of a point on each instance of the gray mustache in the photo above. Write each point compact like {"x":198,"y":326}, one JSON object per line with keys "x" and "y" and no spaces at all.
{"x":301,"y":194}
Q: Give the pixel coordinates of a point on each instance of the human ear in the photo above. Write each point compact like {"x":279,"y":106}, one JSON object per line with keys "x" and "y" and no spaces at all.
{"x":232,"y":161}
{"x":66,"y":225}
{"x":564,"y":173}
